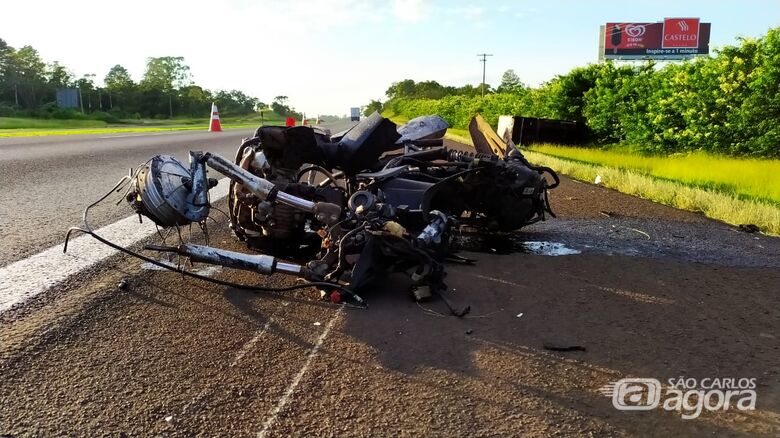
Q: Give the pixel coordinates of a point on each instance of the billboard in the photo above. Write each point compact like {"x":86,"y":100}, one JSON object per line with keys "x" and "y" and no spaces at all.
{"x":68,"y":97}
{"x":673,"y":38}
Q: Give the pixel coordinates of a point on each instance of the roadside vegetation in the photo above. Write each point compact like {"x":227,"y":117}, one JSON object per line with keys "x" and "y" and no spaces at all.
{"x":165,"y":96}
{"x":28,"y":89}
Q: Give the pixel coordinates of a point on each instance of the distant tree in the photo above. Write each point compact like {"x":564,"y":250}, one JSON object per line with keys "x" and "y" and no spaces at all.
{"x":31,"y":75}
{"x":429,"y":90}
{"x":195,"y":101}
{"x":118,"y":79}
{"x":120,"y":87}
{"x":372,"y":106}
{"x":58,"y":75}
{"x":7,"y":72}
{"x":510,"y":82}
{"x":86,"y":86}
{"x":279,"y":106}
{"x":166,"y":74}
{"x":405,"y":88}
{"x":467,"y":90}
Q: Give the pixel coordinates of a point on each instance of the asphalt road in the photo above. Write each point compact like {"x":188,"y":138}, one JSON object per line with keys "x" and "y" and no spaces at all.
{"x":653,"y":292}
{"x":47,"y":181}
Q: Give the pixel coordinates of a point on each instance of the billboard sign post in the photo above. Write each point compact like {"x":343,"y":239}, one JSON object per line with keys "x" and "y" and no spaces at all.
{"x":671,"y":39}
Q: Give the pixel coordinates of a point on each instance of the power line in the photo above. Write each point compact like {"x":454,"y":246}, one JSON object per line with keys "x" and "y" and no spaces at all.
{"x":484,"y":63}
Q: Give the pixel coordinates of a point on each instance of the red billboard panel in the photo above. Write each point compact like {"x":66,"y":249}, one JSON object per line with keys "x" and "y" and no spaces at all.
{"x":674,"y":38}
{"x":681,"y":32}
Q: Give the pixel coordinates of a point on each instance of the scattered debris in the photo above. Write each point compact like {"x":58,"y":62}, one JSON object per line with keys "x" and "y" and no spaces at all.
{"x":123,"y":284}
{"x":509,"y":243}
{"x":317,"y":323}
{"x":597,"y":181}
{"x":519,"y":315}
{"x":606,"y":213}
{"x":469,"y":331}
{"x":749,"y":228}
{"x":640,"y":232}
{"x":209,"y":271}
{"x":152,"y":267}
{"x":557,"y":347}
{"x":549,"y":249}
{"x":615,"y":228}
{"x":169,"y":418}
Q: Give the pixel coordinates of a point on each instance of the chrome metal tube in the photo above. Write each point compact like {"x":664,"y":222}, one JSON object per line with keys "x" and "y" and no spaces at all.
{"x":261,"y":263}
{"x":296,"y":202}
{"x":259,"y":186}
{"x":289,"y":268}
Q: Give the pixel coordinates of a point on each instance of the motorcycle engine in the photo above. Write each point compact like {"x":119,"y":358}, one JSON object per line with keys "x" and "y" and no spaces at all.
{"x":278,"y":154}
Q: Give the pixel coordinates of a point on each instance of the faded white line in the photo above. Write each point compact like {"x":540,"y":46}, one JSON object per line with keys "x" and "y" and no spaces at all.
{"x":145,"y":134}
{"x":29,"y":277}
{"x":497,"y":280}
{"x":250,"y":343}
{"x":294,"y":384}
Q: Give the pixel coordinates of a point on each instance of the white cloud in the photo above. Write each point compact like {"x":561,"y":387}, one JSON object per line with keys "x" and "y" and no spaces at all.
{"x":470,"y":12}
{"x":411,"y":11}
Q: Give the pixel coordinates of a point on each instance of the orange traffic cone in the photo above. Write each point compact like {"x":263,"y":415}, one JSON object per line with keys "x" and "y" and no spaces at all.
{"x":215,"y":126}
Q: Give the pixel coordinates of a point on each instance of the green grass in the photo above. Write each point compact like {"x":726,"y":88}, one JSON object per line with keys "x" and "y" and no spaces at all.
{"x":113,"y":130}
{"x":754,"y":179}
{"x":30,"y":123}
{"x":715,"y":204}
{"x":31,"y":127}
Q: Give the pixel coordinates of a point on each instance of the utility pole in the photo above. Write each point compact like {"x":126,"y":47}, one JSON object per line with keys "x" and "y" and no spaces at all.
{"x":484,"y":63}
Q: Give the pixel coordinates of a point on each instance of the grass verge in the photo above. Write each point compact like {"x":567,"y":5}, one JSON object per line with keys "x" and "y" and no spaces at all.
{"x":113,"y":130}
{"x":30,"y":123}
{"x":753,"y":179}
{"x":712,"y":203}
{"x":32,"y":127}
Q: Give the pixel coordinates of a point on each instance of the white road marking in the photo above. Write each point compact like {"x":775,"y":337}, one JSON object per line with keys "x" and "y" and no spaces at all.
{"x":27,"y":278}
{"x":250,"y":343}
{"x":147,"y":134}
{"x":294,"y":384}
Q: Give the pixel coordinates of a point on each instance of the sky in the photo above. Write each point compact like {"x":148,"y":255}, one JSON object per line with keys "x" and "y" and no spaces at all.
{"x":330,"y":55}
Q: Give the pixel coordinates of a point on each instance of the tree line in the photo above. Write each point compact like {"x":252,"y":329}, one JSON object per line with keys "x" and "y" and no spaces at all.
{"x":727,"y":103}
{"x":28,"y":87}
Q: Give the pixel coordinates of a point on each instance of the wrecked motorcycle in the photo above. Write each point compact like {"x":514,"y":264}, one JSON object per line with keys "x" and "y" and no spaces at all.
{"x":350,"y":207}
